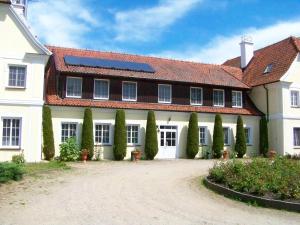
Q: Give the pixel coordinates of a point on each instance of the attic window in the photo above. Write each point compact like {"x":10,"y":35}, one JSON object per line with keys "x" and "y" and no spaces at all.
{"x":268,"y":68}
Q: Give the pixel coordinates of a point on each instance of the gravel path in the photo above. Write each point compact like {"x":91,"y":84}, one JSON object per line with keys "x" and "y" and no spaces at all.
{"x":159,"y":192}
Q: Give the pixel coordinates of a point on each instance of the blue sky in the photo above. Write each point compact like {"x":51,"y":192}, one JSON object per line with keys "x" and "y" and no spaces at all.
{"x":198,"y":30}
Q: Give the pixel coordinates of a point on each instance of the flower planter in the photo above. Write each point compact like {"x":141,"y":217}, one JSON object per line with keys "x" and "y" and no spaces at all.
{"x":225,"y":154}
{"x":136,"y":155}
{"x":84,"y":155}
{"x":272,"y":154}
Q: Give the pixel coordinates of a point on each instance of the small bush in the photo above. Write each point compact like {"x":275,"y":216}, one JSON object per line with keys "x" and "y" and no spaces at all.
{"x":10,"y":171}
{"x":87,"y":140}
{"x":18,"y":159}
{"x":48,"y":141}
{"x":218,"y":137}
{"x":151,"y":144}
{"x":240,"y":145}
{"x":278,"y":179}
{"x":120,"y":136}
{"x":69,"y":150}
{"x":192,"y":147}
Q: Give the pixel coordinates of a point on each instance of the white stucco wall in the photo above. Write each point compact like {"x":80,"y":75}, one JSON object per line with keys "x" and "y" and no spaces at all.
{"x":139,"y":117}
{"x":16,"y":48}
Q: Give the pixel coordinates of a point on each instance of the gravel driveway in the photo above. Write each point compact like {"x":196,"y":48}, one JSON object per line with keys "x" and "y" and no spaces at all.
{"x":158,"y":192}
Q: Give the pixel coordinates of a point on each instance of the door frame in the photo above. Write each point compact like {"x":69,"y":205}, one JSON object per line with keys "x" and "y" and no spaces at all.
{"x":176,"y":138}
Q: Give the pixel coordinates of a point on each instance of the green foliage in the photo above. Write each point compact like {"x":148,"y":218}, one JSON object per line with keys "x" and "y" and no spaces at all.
{"x":18,"y":159}
{"x":240,"y":144}
{"x":279,"y":179}
{"x":218,"y":137}
{"x":263,"y":136}
{"x":120,"y":139}
{"x":69,"y":150}
{"x":10,"y":171}
{"x":87,"y":138}
{"x":48,"y":141}
{"x":33,"y":169}
{"x":151,"y":144}
{"x":192,"y":146}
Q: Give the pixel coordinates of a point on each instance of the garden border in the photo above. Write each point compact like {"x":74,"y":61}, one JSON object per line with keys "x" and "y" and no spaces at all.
{"x":266,"y":202}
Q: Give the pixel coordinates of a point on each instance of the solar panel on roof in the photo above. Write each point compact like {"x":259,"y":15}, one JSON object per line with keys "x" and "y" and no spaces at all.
{"x":108,"y":64}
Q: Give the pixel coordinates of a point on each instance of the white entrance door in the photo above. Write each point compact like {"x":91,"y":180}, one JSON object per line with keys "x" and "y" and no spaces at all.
{"x":168,"y":142}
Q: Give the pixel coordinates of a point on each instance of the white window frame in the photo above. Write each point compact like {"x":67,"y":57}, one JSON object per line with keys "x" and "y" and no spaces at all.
{"x":205,"y":133}
{"x":25,"y":76}
{"x":109,"y":133}
{"x":136,"y":87}
{"x":159,"y":101}
{"x":223,"y":98}
{"x":69,"y":122}
{"x":201,"y":98}
{"x":229,"y":136}
{"x":71,"y":96}
{"x":108,"y":83}
{"x":138,"y":142}
{"x":20,"y":136}
{"x":250,"y":135}
{"x":295,"y":146}
{"x":291,"y":98}
{"x":237,"y":106}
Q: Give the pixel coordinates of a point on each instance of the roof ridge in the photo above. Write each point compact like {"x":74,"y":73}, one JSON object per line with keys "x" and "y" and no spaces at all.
{"x":233,"y":75}
{"x":129,"y":54}
{"x":294,"y":42}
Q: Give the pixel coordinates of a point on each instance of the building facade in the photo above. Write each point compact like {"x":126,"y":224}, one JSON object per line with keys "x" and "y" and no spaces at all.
{"x":22,"y":66}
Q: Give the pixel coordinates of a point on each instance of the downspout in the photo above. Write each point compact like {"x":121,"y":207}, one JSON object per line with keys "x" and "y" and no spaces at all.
{"x":267,"y":97}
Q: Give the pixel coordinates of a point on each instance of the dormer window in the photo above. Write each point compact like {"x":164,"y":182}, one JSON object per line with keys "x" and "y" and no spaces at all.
{"x":268,"y":69}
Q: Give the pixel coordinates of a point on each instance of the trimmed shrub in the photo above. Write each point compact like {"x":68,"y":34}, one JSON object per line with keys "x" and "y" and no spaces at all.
{"x":218,"y":137}
{"x":151,"y":144}
{"x":18,"y":159}
{"x":87,"y":137}
{"x":120,"y":139}
{"x":263,"y":136}
{"x":240,"y":144}
{"x":69,"y":150}
{"x":192,"y":146}
{"x":10,"y":171}
{"x":48,"y":141}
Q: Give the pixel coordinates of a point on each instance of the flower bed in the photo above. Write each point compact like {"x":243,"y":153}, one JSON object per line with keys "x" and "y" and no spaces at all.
{"x":277,"y":179}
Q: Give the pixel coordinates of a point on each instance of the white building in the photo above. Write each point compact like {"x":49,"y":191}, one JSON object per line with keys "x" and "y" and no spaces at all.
{"x":22,"y":64}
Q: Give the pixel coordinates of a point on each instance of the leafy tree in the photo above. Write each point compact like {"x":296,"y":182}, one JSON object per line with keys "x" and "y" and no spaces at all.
{"x":151,"y":145}
{"x":87,"y":137}
{"x":120,"y":140}
{"x":263,"y":136}
{"x":240,"y":145}
{"x":48,"y":141}
{"x":218,"y":137}
{"x":192,"y":146}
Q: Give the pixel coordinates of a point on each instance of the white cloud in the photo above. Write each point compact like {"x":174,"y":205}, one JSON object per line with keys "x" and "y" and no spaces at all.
{"x":143,"y":24}
{"x":221,"y":48}
{"x":62,"y":23}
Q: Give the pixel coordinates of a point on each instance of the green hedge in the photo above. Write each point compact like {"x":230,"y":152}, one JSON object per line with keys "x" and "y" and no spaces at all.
{"x":240,"y":144}
{"x":263,"y":136}
{"x":87,"y":138}
{"x":48,"y":141}
{"x":10,"y":171}
{"x":192,"y":146}
{"x":151,"y":144}
{"x":120,"y":136}
{"x":218,"y":137}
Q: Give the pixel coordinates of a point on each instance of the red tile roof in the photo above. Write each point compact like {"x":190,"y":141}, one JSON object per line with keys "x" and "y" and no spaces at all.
{"x":165,"y":69}
{"x":280,"y":55}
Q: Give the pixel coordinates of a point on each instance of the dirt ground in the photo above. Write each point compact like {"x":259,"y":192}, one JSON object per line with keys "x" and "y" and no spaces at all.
{"x":158,"y":192}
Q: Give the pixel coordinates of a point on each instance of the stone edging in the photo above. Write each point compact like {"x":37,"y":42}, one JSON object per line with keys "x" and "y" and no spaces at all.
{"x":271,"y":203}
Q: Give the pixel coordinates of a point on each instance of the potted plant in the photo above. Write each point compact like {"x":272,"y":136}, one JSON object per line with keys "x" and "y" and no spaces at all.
{"x":272,"y":153}
{"x":136,"y":155}
{"x":225,"y":154}
{"x":84,"y":154}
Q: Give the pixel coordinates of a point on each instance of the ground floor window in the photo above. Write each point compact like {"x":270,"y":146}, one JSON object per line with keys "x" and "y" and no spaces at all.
{"x":11,"y":132}
{"x":226,"y":132}
{"x":248,"y":135}
{"x":297,"y":136}
{"x":68,"y":130}
{"x":132,"y":134}
{"x":202,"y":135}
{"x":102,"y":133}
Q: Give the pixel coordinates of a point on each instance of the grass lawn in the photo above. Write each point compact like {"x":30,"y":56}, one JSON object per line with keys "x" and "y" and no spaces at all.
{"x":44,"y":167}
